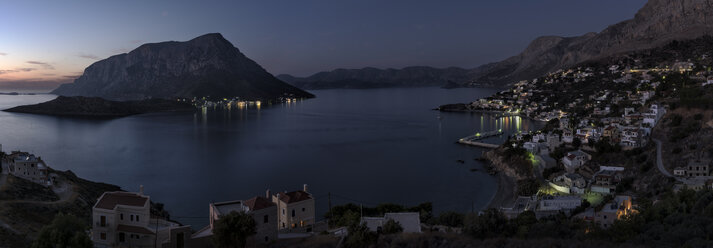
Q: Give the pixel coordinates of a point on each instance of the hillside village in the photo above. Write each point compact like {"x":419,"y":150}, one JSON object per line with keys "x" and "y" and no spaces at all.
{"x":607,"y":121}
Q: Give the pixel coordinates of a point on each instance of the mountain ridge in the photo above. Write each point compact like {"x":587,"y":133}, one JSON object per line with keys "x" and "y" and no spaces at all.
{"x":657,"y":23}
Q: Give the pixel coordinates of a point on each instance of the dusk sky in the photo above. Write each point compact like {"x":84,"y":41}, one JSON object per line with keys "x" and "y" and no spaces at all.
{"x":44,"y":43}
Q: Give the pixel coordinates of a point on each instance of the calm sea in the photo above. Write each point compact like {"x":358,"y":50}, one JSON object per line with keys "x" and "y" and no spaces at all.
{"x":363,"y":146}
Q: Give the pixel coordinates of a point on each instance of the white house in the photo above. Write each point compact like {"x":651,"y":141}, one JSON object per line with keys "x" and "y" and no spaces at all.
{"x":653,"y":115}
{"x":27,"y":166}
{"x":679,"y":171}
{"x":410,"y":222}
{"x":559,"y":203}
{"x":575,"y":159}
{"x":123,"y":219}
{"x":633,"y":138}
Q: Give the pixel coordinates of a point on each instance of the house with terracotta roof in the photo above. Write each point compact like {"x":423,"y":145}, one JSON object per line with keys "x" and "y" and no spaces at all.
{"x":295,"y":209}
{"x":123,"y":219}
{"x":575,"y":159}
{"x":261,"y":209}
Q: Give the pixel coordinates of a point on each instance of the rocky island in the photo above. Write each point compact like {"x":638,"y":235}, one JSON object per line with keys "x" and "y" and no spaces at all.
{"x":206,"y":66}
{"x":96,"y":107}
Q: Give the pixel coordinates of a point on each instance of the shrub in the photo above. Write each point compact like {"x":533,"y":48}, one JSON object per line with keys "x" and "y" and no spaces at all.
{"x":64,"y":231}
{"x":391,"y":227}
{"x":450,"y":218}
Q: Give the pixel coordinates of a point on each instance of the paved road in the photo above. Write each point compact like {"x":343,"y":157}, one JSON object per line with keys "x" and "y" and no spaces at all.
{"x":659,"y":160}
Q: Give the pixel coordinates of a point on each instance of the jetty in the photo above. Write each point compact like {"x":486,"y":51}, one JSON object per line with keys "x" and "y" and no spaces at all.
{"x":474,"y":140}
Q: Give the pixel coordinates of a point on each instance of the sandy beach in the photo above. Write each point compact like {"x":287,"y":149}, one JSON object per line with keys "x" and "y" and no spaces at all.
{"x":506,"y":194}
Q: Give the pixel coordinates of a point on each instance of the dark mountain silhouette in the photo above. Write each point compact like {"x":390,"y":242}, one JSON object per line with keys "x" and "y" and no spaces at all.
{"x":208,"y":65}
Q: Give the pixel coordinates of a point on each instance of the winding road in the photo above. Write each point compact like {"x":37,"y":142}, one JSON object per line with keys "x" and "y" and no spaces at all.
{"x":659,"y":160}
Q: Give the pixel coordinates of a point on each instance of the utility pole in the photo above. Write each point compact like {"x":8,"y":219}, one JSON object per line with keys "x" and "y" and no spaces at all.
{"x":329,"y":201}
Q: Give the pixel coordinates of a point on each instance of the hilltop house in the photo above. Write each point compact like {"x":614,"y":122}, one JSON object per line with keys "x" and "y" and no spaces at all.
{"x":410,"y":222}
{"x":26,"y":166}
{"x":123,"y":219}
{"x":575,"y":159}
{"x":295,"y":209}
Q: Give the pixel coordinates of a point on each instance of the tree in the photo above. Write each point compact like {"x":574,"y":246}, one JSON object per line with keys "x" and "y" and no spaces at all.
{"x":576,"y":142}
{"x":451,"y":218}
{"x":391,"y":227}
{"x":65,"y":231}
{"x":233,"y":229}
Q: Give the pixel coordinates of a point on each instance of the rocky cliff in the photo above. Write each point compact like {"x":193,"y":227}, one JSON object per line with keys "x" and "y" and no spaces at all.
{"x":208,"y":65}
{"x":657,"y":23}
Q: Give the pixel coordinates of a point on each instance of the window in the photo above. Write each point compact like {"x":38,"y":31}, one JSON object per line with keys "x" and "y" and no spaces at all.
{"x":122,"y":237}
{"x":102,"y":221}
{"x":121,"y":216}
{"x":137,"y":218}
{"x":267,"y":239}
{"x":283,"y":212}
{"x":132,"y":217}
{"x":293,"y":213}
{"x":303,"y":209}
{"x":264,"y":219}
{"x":102,"y":236}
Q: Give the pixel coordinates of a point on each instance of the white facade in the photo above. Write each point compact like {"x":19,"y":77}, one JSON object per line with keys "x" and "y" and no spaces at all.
{"x":122,"y":219}
{"x":557,"y":203}
{"x":28,"y":166}
{"x":410,"y":222}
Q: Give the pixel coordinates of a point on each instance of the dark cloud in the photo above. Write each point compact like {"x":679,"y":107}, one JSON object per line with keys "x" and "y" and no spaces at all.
{"x":17,"y":70}
{"x":30,"y":85}
{"x":3,"y":54}
{"x":89,"y":56}
{"x":44,"y":65}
